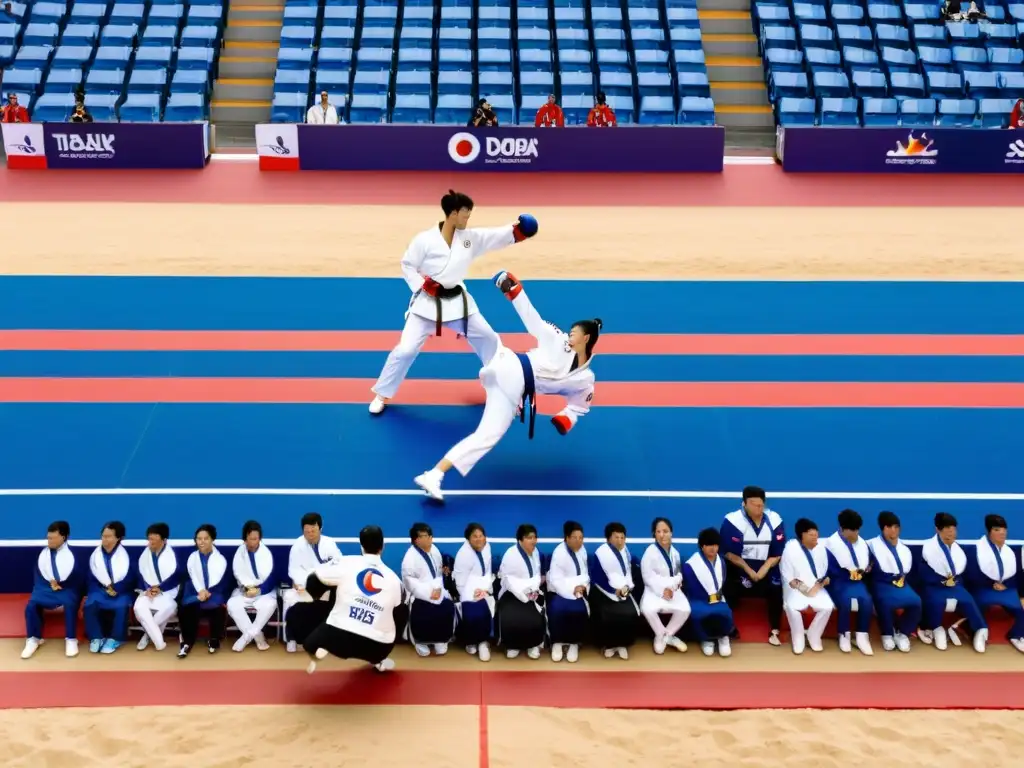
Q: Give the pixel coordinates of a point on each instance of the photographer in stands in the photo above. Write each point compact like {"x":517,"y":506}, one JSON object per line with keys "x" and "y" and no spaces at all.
{"x":13,"y":112}
{"x":483,"y":116}
{"x":80,"y":115}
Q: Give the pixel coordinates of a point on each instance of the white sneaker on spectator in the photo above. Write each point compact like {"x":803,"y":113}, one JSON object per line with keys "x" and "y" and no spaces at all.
{"x":292,"y":647}
{"x":31,"y":646}
{"x":557,"y":652}
{"x":70,"y":648}
{"x":483,"y":652}
{"x":573,"y":654}
{"x":143,"y":642}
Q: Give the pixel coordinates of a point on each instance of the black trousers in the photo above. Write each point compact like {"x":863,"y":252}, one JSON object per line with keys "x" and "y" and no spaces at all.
{"x":189,"y":616}
{"x":303,"y":618}
{"x":735,"y":592}
{"x":346,"y":645}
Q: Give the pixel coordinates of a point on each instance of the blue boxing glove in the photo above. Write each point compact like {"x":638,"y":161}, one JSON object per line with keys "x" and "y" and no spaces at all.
{"x":524,"y":228}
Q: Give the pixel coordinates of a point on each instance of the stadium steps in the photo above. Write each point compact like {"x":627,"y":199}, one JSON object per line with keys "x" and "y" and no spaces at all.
{"x":244,"y":88}
{"x":734,"y":64}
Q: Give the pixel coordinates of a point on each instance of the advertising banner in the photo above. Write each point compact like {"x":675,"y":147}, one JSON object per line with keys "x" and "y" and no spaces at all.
{"x":448,"y":148}
{"x":277,"y":145}
{"x":24,"y":146}
{"x":900,"y":150}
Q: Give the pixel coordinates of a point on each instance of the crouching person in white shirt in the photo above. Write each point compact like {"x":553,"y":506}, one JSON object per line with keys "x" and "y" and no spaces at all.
{"x":361,"y":624}
{"x":474,"y":580}
{"x":568,"y":585}
{"x":804,"y":570}
{"x":159,"y":581}
{"x":431,"y":608}
{"x":301,"y":613}
{"x":663,"y":595}
{"x":253,"y":567}
{"x":521,"y":620}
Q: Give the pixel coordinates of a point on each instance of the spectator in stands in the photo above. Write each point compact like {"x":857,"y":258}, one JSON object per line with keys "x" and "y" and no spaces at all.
{"x":601,"y":115}
{"x":205,"y":593}
{"x":253,"y":569}
{"x":1017,"y":115}
{"x":431,"y":608}
{"x":993,"y":579}
{"x":849,"y":561}
{"x":891,"y":564}
{"x":615,"y":609}
{"x":323,"y":113}
{"x":550,"y":114}
{"x":80,"y":114}
{"x":662,"y":571}
{"x":474,"y":582}
{"x":752,"y":541}
{"x":483,"y":116}
{"x":521,"y":620}
{"x":568,"y":586}
{"x":703,"y":579}
{"x":159,"y":582}
{"x":952,"y":10}
{"x":112,"y":582}
{"x":303,"y":614}
{"x":804,"y":571}
{"x":7,"y":15}
{"x":13,"y":112}
{"x":57,"y":583}
{"x":941,"y":581}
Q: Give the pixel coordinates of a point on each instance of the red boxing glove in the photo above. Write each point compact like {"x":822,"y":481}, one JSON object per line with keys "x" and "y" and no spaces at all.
{"x":562,"y":423}
{"x":508,"y":284}
{"x":431,"y":286}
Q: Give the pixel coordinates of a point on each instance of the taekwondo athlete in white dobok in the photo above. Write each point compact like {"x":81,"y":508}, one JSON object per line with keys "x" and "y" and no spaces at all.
{"x":300,"y":612}
{"x":568,"y":587}
{"x":804,"y":570}
{"x":943,"y":590}
{"x":558,"y":365}
{"x":253,"y":567}
{"x":993,"y":578}
{"x":362,"y":623}
{"x":435,"y":266}
{"x":474,"y":580}
{"x":159,"y":582}
{"x":662,"y":572}
{"x":431,"y":608}
{"x":57,"y":583}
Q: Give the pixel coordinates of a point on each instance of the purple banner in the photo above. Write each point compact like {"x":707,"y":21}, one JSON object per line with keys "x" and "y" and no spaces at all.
{"x":126,"y":145}
{"x":900,"y":150}
{"x":444,"y":148}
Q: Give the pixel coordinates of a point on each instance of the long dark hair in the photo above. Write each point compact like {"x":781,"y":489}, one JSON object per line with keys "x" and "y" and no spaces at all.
{"x":591,"y":328}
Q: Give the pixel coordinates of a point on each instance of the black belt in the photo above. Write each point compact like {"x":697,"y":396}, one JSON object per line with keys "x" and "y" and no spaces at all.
{"x":451,"y":293}
{"x":529,"y":392}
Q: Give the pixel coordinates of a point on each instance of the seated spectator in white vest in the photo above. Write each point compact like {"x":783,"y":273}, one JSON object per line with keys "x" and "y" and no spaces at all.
{"x":804,"y":570}
{"x":431,"y":608}
{"x":159,"y":581}
{"x":942,"y":581}
{"x":704,"y":580}
{"x":112,"y":581}
{"x":521,"y":620}
{"x":994,"y":579}
{"x":206,"y":586}
{"x":849,"y":561}
{"x":611,"y":596}
{"x":474,"y":580}
{"x":302,"y":614}
{"x":253,"y":568}
{"x":323,"y":112}
{"x":662,"y":571}
{"x":57,"y":583}
{"x":568,"y":585}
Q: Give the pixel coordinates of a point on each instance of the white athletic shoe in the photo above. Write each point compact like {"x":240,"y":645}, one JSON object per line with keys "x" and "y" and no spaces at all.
{"x":609,"y":653}
{"x":708,"y":648}
{"x":903,"y":643}
{"x":724,"y":647}
{"x":143,"y":643}
{"x":440,"y":649}
{"x":980,"y":639}
{"x":311,"y":668}
{"x":573,"y":654}
{"x":863,"y":640}
{"x":888,"y":643}
{"x":385,"y":666}
{"x":844,"y":642}
{"x":483,"y":652}
{"x":430,"y":482}
{"x":31,"y":646}
{"x":511,"y":653}
{"x":422,"y":649}
{"x":1017,"y":643}
{"x":675,"y":642}
{"x":557,"y":652}
{"x":70,"y":648}
{"x":292,"y":647}
{"x":321,"y":653}
{"x":659,"y":645}
{"x":471,"y":650}
{"x":534,"y":653}
{"x":623,"y":653}
{"x":939,"y":636}
{"x":377,"y":406}
{"x":240,"y":643}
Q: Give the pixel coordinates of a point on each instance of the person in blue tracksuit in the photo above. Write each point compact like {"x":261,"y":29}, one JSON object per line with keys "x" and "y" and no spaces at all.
{"x":57,"y":584}
{"x":849,"y":560}
{"x":112,"y":582}
{"x":891,"y":562}
{"x":993,"y":577}
{"x":703,"y":582}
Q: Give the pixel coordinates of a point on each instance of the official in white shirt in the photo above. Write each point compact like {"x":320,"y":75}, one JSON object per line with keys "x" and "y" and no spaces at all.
{"x":159,"y":582}
{"x":435,"y":266}
{"x":431,"y":608}
{"x":253,"y":568}
{"x":301,"y":613}
{"x":849,"y":561}
{"x":804,"y":570}
{"x":568,"y":586}
{"x":993,"y":577}
{"x":891,"y":565}
{"x":361,"y":624}
{"x":611,"y":598}
{"x":57,"y":583}
{"x":942,"y":586}
{"x":474,"y":580}
{"x":322,"y":113}
{"x":521,"y":619}
{"x":703,"y":580}
{"x":661,"y":567}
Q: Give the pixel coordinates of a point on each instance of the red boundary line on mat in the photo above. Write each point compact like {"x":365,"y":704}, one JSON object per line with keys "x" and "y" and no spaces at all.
{"x":611,"y":343}
{"x":589,"y":690}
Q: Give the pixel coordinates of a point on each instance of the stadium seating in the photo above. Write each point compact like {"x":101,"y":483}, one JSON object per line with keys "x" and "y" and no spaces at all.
{"x":136,"y":61}
{"x":428,"y":61}
{"x":889,"y":62}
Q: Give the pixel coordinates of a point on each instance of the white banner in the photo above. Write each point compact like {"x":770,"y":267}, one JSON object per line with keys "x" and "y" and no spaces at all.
{"x":278,"y":146}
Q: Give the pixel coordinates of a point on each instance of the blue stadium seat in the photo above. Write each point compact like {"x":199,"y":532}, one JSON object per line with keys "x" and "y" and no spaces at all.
{"x":571,"y":37}
{"x":623,"y":108}
{"x":763,"y":12}
{"x":527,"y":112}
{"x":777,"y":60}
{"x":293,"y":81}
{"x":932,"y":58}
{"x":688,"y":37}
{"x":494,"y":37}
{"x":615,"y":83}
{"x":644,"y":16}
{"x":834,"y":84}
{"x":330,"y":80}
{"x":453,"y":108}
{"x":963,"y":32}
{"x":494,"y":16}
{"x":907,"y":85}
{"x":534,"y":37}
{"x":535,"y":60}
{"x":33,"y":56}
{"x":892,"y":35}
{"x":54,"y":107}
{"x":503,"y":107}
{"x":297,"y":15}
{"x":917,"y":113}
{"x":576,"y":107}
{"x":869,"y":84}
{"x":79,"y":35}
{"x":995,"y":113}
{"x":826,"y":59}
{"x":48,"y":13}
{"x":650,"y":60}
{"x":854,"y":35}
{"x":416,"y":37}
{"x":411,"y":108}
{"x":577,"y":83}
{"x":574,"y":60}
{"x":454,"y":59}
{"x":206,"y":15}
{"x":808,"y":12}
{"x":930,"y":34}
{"x":494,"y":82}
{"x":694,"y":84}
{"x":340,"y":15}
{"x":140,"y":108}
{"x":112,"y":57}
{"x":40,"y":34}
{"x":981,"y":85}
{"x":413,"y":82}
{"x":377,"y":37}
{"x":649,"y":38}
{"x":846,"y":13}
{"x":417,"y":16}
{"x":153,"y":58}
{"x":72,"y":56}
{"x":957,"y":113}
{"x":947,"y":85}
{"x":296,"y":36}
{"x":655,"y":84}
{"x":1000,"y":34}
{"x":860,"y":58}
{"x":968,"y":57}
{"x":613,"y":60}
{"x":63,"y":80}
{"x":1001,"y":58}
{"x":454,"y":36}
{"x":687,"y":17}
{"x":127,"y":13}
{"x":818,"y":35}
{"x":119,"y":34}
{"x":161,"y":35}
{"x":657,"y":110}
{"x":531,"y":17}
{"x":696,"y":110}
{"x":195,"y":58}
{"x":374,"y":58}
{"x":839,"y":112}
{"x":104,"y":81}
{"x":1011,"y":84}
{"x":604,"y":16}
{"x":459,"y":83}
{"x":899,"y":59}
{"x":793,"y":112}
{"x":884,"y":12}
{"x":536,"y":83}
{"x":609,"y":37}
{"x":880,"y":113}
{"x":295,"y":58}
{"x":493,"y":57}
{"x":190,"y":81}
{"x":285,"y":108}
{"x":335,"y":58}
{"x":788,"y":84}
{"x":452,"y":15}
{"x":923,"y":11}
{"x":189,"y":108}
{"x":373,"y":82}
{"x":995,"y":12}
{"x":1016,"y":11}
{"x":21,"y":79}
{"x":165,"y":14}
{"x":380,"y":15}
{"x":569,"y":17}
{"x":87,"y":13}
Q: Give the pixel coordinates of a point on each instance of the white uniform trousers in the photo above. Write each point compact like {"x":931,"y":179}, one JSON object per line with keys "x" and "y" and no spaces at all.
{"x":264,"y":605}
{"x":153,"y":613}
{"x":503,"y":383}
{"x":417,"y":329}
{"x":793,"y":603}
{"x":653,"y":606}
